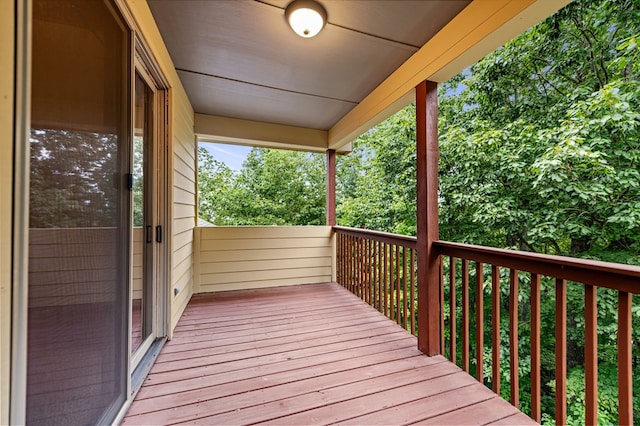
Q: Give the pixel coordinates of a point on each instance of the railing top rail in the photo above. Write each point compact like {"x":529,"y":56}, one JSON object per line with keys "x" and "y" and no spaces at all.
{"x":616,"y":276}
{"x":385,"y":237}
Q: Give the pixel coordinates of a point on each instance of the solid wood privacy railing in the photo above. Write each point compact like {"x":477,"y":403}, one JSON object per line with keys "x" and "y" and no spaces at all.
{"x":380,"y":268}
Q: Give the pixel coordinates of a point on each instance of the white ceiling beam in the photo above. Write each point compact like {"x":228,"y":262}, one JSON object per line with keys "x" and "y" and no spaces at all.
{"x":212,"y":128}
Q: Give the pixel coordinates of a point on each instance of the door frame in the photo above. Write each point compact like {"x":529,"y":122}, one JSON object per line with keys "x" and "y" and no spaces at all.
{"x":159,"y":208}
{"x":20,"y":214}
{"x":143,"y":56}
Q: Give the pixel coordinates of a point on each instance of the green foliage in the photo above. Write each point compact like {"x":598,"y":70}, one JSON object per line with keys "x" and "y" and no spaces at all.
{"x":376,"y":182}
{"x":74,"y":179}
{"x":273,"y":188}
{"x":539,"y":151}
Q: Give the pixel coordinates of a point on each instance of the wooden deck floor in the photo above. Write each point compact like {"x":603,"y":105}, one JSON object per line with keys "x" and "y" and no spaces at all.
{"x":312,"y":354}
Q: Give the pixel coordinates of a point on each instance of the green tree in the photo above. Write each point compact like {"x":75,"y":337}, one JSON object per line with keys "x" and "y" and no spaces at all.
{"x":215,"y":190}
{"x":274,"y":187}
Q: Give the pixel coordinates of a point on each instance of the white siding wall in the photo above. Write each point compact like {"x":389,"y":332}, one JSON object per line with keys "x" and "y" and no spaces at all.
{"x":6,"y":172}
{"x":234,"y":258}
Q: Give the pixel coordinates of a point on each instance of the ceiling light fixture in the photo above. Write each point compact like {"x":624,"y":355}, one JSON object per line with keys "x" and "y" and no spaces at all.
{"x":306,"y":17}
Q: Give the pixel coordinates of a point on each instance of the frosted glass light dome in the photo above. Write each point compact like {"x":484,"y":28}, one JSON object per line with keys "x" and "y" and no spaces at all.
{"x":306,"y":17}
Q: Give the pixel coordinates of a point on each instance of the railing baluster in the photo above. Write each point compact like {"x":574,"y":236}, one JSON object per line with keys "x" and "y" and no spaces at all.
{"x":362,"y":271}
{"x":354,"y":265}
{"x":465,"y":315}
{"x":398,"y":319}
{"x":535,"y":348}
{"x":561,"y":351}
{"x":346,"y":262}
{"x":412,"y":280}
{"x":339,"y":257}
{"x":625,"y":368}
{"x":591,"y":354}
{"x":405,"y":306}
{"x":370,"y":271}
{"x":374,"y":274}
{"x":379,"y":276}
{"x":513,"y":337}
{"x":495,"y":328}
{"x":365,"y":270}
{"x":359,"y":268}
{"x":384,"y":282}
{"x":352,"y":256}
{"x":341,"y":262}
{"x":479,"y":322}
{"x":441,"y":263}
{"x":392,"y":280}
{"x":350,"y":264}
{"x":452,"y":311}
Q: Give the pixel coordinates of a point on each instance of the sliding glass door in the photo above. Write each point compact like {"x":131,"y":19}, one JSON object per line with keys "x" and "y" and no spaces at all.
{"x":146,"y":229}
{"x":79,"y":221}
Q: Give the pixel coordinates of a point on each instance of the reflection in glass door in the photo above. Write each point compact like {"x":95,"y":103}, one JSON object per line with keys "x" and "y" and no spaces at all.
{"x":144,"y":221}
{"x":78,"y":214}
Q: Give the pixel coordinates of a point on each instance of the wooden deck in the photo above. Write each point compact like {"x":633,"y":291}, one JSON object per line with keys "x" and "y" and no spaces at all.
{"x":310,"y":354}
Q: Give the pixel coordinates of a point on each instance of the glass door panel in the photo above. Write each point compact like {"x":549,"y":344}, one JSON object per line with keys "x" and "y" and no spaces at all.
{"x":79,"y":213}
{"x":142,"y":296}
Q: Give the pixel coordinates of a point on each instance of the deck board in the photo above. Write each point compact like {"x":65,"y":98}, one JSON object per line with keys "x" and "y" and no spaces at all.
{"x":310,"y":354}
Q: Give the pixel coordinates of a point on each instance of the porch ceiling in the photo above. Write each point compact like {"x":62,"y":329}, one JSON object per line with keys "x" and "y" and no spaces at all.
{"x":239,"y":59}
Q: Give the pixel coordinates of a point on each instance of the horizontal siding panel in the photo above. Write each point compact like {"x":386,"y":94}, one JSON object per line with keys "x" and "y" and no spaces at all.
{"x":182,"y":239}
{"x":262,"y":243}
{"x":183,"y":252}
{"x":252,"y":232}
{"x":233,"y":258}
{"x":264,"y":265}
{"x":184,"y":155}
{"x":266,"y":283}
{"x":182,"y":281}
{"x":183,"y":225}
{"x":184,"y":148}
{"x":181,"y":211}
{"x":233,"y":277}
{"x":266,"y":254}
{"x":184,"y":197}
{"x":181,"y":166}
{"x":182,"y":266}
{"x":183,"y":182}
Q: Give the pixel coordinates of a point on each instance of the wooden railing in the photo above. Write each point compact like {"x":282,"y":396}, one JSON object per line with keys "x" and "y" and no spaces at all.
{"x":380,"y":268}
{"x":490,"y":262}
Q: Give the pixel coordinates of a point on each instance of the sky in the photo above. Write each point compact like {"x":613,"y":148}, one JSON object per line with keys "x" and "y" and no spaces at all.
{"x":232,"y":155}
